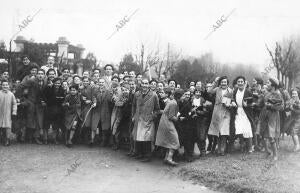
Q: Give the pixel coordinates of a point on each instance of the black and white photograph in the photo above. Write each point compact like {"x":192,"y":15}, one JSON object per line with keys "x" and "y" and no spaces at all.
{"x":159,"y":96}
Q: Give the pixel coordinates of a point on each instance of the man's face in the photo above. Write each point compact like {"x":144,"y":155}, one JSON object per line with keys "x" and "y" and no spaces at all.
{"x":125,"y":73}
{"x":77,"y":80}
{"x":240,"y":83}
{"x":33,"y":71}
{"x":26,"y":61}
{"x":132,"y":85}
{"x":121,"y":76}
{"x":101,"y":83}
{"x":197,"y":93}
{"x":108,"y":70}
{"x":96,"y":76}
{"x":57,"y":84}
{"x":192,"y":89}
{"x":40,"y":75}
{"x":199,"y":84}
{"x":73,"y":91}
{"x":5,"y":75}
{"x":96,"y":71}
{"x":85,"y":82}
{"x":50,"y":61}
{"x":187,"y":95}
{"x":145,"y":85}
{"x":87,"y":74}
{"x":139,"y":78}
{"x":65,"y":85}
{"x":172,"y":84}
{"x":192,"y":83}
{"x":160,"y":86}
{"x":125,"y":90}
{"x":51,"y":75}
{"x":208,"y":86}
{"x":132,"y":74}
{"x":5,"y":85}
{"x":115,"y":80}
{"x":66,"y":73}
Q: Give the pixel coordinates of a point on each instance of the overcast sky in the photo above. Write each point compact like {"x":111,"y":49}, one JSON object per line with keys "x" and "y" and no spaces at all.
{"x":184,"y":24}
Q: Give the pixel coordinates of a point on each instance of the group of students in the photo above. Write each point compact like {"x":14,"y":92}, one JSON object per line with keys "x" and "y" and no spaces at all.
{"x":149,"y":116}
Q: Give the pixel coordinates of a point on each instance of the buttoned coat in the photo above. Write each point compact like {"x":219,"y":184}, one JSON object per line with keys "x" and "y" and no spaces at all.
{"x":145,"y":108}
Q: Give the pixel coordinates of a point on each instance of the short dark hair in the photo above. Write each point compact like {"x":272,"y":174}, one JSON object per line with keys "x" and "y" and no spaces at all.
{"x":65,"y":68}
{"x":109,"y":65}
{"x":76,"y":75}
{"x":223,"y":78}
{"x":51,"y":69}
{"x":41,"y":70}
{"x":74,"y":86}
{"x":115,"y":77}
{"x":57,"y":79}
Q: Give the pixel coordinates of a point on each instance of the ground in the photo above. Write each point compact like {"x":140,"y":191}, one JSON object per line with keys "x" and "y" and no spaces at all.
{"x":52,"y":168}
{"x":29,"y":168}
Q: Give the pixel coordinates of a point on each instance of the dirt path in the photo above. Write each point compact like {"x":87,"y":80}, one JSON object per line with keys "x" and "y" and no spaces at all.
{"x":48,"y":169}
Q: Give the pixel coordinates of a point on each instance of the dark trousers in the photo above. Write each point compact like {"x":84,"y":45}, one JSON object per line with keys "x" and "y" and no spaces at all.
{"x":187,"y":136}
{"x":143,"y":148}
{"x":200,"y":127}
{"x":222,"y":141}
{"x":212,"y":143}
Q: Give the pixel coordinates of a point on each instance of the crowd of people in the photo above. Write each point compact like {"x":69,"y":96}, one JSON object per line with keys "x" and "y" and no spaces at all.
{"x":149,"y":117}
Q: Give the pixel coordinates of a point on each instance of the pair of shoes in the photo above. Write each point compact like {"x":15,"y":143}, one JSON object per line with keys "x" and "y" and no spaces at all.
{"x":138,"y":156}
{"x":130,"y":154}
{"x":146,"y":159}
{"x":115,"y":147}
{"x":296,"y":149}
{"x":171,"y":163}
{"x":37,"y":141}
{"x":7,"y":142}
{"x":69,"y":143}
{"x":188,"y":159}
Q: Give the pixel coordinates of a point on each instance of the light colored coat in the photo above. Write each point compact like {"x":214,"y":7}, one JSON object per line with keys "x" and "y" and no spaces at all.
{"x":8,"y":107}
{"x":145,"y":109}
{"x":220,"y":121}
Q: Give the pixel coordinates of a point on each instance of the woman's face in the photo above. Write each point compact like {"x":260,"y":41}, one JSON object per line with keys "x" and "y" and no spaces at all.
{"x":240,"y":83}
{"x":153,"y":85}
{"x":269,"y":85}
{"x":254,"y":82}
{"x":294,"y":94}
{"x":224,"y":83}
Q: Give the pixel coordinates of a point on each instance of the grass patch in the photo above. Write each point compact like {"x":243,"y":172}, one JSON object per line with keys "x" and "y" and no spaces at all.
{"x":247,"y":173}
